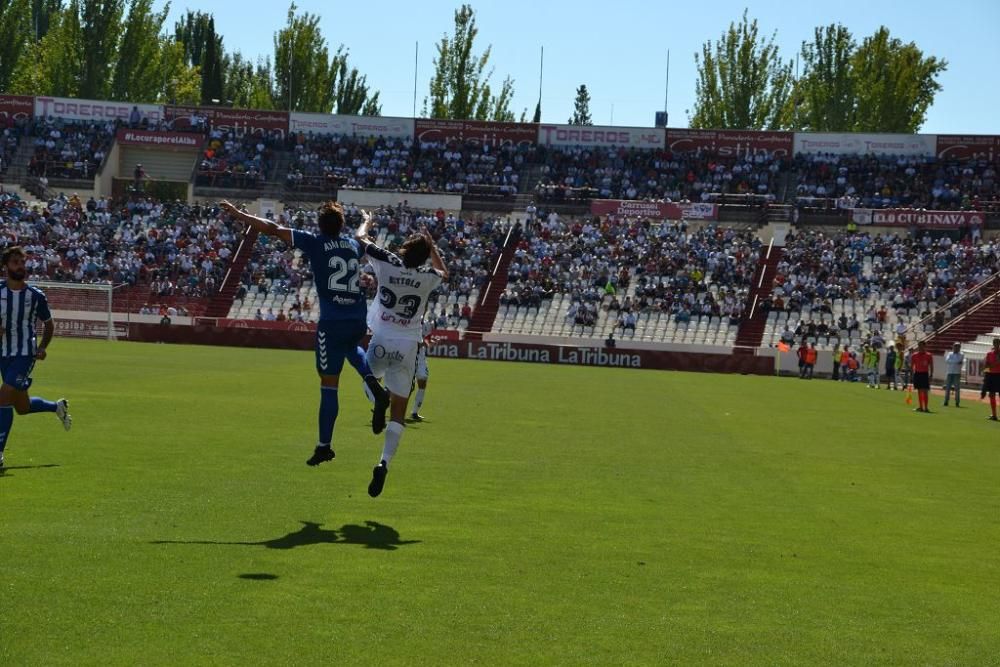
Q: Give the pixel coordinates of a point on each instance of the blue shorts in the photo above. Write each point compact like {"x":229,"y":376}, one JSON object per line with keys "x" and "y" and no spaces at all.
{"x":17,"y":371}
{"x":334,"y":340}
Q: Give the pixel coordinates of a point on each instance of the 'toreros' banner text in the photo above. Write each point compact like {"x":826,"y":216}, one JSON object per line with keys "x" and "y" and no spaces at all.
{"x":902,"y":217}
{"x":652,"y":209}
{"x":594,"y":136}
{"x":842,"y":143}
{"x":94,"y":110}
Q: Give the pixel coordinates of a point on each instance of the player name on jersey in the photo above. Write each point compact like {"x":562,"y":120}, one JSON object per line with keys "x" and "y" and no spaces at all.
{"x":404,"y":282}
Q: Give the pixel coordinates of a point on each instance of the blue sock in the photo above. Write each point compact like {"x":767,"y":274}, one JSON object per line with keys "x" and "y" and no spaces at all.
{"x":41,"y":405}
{"x":359,"y":361}
{"x":6,"y":421}
{"x":329,"y":407}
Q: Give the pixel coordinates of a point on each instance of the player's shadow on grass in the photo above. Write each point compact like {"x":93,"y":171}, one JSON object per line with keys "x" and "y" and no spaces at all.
{"x":3,"y":471}
{"x":372,"y":535}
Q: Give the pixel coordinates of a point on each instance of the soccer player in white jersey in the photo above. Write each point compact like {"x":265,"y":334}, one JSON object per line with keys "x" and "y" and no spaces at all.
{"x":404,"y":285}
{"x":422,"y":372}
{"x":20,"y":305}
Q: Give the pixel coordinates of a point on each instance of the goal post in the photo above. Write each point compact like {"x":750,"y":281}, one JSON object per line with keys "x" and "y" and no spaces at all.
{"x":83,"y":310}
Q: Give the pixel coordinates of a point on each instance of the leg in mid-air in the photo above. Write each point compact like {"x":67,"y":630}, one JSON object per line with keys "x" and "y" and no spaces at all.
{"x":334,"y":341}
{"x":16,"y":372}
{"x":374,"y":391}
{"x":396,"y":361}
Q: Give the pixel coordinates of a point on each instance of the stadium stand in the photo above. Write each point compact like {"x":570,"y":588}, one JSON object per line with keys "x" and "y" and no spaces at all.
{"x":229,"y":161}
{"x":618,"y":173}
{"x":166,"y":253}
{"x":628,"y":277}
{"x":895,"y":182}
{"x":324,"y":163}
{"x":69,"y":150}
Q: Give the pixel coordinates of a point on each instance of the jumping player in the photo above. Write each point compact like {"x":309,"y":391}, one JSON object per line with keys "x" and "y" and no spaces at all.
{"x":335,"y":261}
{"x":404,"y":285}
{"x":20,"y":305}
{"x":922,"y":362}
{"x":991,"y":377}
{"x":422,"y":372}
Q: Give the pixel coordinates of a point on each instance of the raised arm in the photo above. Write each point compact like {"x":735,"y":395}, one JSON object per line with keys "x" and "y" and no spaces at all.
{"x":362,"y":232}
{"x":436,"y":261}
{"x":262,"y":225}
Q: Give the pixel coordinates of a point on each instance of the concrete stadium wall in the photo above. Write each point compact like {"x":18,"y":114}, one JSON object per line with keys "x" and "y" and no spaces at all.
{"x":389,"y":198}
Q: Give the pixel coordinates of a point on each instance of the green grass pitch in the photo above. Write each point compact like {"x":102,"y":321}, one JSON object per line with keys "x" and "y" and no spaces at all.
{"x":542,"y":515}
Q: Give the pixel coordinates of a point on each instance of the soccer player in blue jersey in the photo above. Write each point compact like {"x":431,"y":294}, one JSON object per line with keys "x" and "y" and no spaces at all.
{"x":20,"y":305}
{"x":335,"y":262}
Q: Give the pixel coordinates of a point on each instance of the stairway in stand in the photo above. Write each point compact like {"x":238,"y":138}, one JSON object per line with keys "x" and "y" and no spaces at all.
{"x":489,"y":298}
{"x":222,"y":302}
{"x":975,"y":320}
{"x":751,"y":331}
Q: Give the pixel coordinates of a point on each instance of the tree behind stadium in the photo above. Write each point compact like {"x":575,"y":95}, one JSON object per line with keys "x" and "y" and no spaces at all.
{"x":581,"y":107}
{"x":460,"y":86}
{"x":742,"y":81}
{"x":883,"y":85}
{"x":308,"y":78}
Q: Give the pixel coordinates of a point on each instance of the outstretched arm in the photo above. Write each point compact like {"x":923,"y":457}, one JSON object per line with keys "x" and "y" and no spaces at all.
{"x":262,"y":225}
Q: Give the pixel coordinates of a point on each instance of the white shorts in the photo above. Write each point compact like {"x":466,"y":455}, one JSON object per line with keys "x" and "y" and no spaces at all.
{"x":394,"y":360}
{"x":422,"y":372}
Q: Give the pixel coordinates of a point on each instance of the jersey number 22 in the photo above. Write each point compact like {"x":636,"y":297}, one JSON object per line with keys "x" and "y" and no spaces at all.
{"x":343,"y":275}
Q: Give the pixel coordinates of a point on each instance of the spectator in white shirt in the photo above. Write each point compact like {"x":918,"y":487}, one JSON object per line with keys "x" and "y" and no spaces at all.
{"x":953,"y":363}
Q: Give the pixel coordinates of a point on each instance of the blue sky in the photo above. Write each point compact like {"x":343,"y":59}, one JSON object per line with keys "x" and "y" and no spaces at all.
{"x":619,"y":49}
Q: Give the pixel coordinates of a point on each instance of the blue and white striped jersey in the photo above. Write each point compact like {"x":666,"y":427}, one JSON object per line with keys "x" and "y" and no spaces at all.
{"x":18,"y":311}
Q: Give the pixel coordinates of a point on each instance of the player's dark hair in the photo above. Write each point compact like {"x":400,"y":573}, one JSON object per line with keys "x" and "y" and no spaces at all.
{"x":13,"y":251}
{"x":331,"y":218}
{"x":415,"y":251}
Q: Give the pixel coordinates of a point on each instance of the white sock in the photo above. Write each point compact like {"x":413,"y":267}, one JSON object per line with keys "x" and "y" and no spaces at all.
{"x":419,"y":400}
{"x":393,"y":432}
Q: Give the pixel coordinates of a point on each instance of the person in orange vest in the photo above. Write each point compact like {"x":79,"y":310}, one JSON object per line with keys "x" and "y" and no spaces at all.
{"x":923,"y":368}
{"x":852,"y":368}
{"x":810,"y":360}
{"x":991,"y":377}
{"x":801,"y":354}
{"x":845,"y":362}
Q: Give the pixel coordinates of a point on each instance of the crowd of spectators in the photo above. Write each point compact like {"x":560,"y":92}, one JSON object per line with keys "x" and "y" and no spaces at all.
{"x":324,"y":162}
{"x":896,"y":182}
{"x":9,"y":139}
{"x":676,"y":270}
{"x":65,"y":149}
{"x":623,"y":173}
{"x":901,"y":271}
{"x":175,"y":249}
{"x":692,"y":273}
{"x":231,"y":161}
